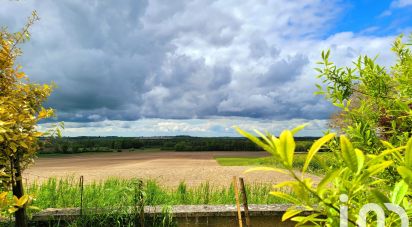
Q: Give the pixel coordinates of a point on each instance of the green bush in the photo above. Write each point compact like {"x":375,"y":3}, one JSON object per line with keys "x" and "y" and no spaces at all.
{"x":356,"y":177}
{"x":375,"y":102}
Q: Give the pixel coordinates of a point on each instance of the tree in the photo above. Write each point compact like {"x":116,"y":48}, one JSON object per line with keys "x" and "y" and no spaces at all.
{"x":21,"y":108}
{"x":375,"y":103}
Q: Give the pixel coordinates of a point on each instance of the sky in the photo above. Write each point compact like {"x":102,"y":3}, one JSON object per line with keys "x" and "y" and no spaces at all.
{"x":162,"y":68}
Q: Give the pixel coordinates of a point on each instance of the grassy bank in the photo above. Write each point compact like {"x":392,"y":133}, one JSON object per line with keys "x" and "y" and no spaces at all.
{"x":317,"y":165}
{"x":119,"y":193}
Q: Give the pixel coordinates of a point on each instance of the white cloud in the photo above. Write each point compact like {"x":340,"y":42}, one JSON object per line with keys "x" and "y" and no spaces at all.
{"x":396,"y":4}
{"x":401,"y":3}
{"x":193,"y":127}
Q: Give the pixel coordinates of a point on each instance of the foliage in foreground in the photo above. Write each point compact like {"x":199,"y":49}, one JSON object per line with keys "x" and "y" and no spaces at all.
{"x":375,"y":103}
{"x":356,"y":176}
{"x":21,"y":107}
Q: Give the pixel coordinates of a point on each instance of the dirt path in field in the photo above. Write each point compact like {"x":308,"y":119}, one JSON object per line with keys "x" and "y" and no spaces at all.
{"x":168,"y":168}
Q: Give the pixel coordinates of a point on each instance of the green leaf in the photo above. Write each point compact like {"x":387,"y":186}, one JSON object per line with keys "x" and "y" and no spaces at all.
{"x":255,"y":140}
{"x":361,"y":160}
{"x":399,"y":192}
{"x":308,"y":218}
{"x":298,"y":128}
{"x":285,"y":196}
{"x":372,"y":170}
{"x":329,"y":176}
{"x":408,"y":153}
{"x":265,"y":138}
{"x":315,"y":148}
{"x":287,"y":147}
{"x":290,"y":213}
{"x":406,"y":173}
{"x":327,"y":54}
{"x":34,"y":208}
{"x":387,"y":152}
{"x":387,"y":144}
{"x":348,"y":154}
{"x":380,"y":196}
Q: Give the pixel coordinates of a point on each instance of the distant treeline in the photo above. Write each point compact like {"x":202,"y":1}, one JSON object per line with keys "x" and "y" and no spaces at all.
{"x":176,"y":143}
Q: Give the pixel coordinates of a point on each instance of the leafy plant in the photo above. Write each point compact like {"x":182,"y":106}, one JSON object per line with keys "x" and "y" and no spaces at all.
{"x":20,"y":109}
{"x":353,"y":183}
{"x":375,"y":103}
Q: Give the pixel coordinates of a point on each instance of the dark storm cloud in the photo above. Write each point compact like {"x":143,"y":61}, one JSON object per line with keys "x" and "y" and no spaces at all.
{"x":124,"y":60}
{"x":284,"y":70}
{"x":258,"y":48}
{"x":186,"y":88}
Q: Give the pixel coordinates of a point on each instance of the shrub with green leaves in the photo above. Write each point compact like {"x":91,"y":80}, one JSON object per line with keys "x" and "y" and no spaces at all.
{"x":356,"y":176}
{"x":375,"y":102}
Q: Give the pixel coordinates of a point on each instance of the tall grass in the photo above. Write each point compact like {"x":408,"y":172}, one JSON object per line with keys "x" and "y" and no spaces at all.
{"x":113,"y":202}
{"x":115,"y":192}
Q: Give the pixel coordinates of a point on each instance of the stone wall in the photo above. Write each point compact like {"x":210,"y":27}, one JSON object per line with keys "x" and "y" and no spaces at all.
{"x":188,"y":215}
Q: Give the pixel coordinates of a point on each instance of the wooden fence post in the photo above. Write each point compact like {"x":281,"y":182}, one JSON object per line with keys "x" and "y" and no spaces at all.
{"x":141,"y":201}
{"x":81,"y":195}
{"x":245,"y":206}
{"x":239,"y":212}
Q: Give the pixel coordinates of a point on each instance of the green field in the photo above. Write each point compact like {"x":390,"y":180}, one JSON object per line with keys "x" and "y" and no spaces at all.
{"x":320,"y":161}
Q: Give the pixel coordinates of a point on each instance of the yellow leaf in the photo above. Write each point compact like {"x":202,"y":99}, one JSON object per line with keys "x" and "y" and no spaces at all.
{"x":23,"y":144}
{"x":361,"y":159}
{"x":255,"y":140}
{"x":15,"y":199}
{"x":386,"y":152}
{"x":348,"y":154}
{"x":23,"y":200}
{"x":408,"y":153}
{"x":12,"y":210}
{"x":287,"y":147}
{"x":298,"y":128}
{"x":38,"y":134}
{"x":263,"y":137}
{"x":387,"y":144}
{"x":42,"y":113}
{"x":20,"y":75}
{"x":290,"y":213}
{"x":3,"y":195}
{"x":372,"y":170}
{"x":315,"y":148}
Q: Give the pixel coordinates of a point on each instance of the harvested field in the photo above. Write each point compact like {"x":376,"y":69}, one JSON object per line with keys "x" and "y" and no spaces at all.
{"x":168,"y":168}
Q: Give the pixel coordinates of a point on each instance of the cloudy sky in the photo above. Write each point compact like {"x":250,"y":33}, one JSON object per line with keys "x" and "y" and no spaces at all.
{"x":159,"y":67}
